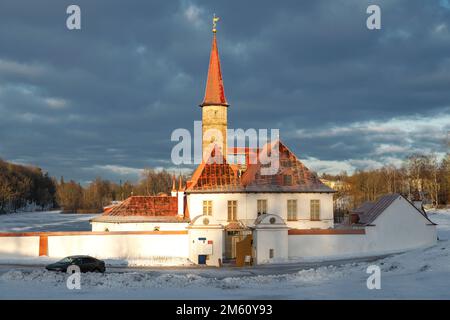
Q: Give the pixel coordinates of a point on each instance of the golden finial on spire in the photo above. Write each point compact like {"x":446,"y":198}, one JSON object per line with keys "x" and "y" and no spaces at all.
{"x":215,"y":20}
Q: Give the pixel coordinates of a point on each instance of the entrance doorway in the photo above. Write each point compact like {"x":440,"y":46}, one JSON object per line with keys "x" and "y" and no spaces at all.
{"x":201,"y":259}
{"x":234,"y":233}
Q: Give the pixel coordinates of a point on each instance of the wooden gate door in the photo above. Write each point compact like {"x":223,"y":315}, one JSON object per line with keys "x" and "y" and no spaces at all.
{"x":243,"y":249}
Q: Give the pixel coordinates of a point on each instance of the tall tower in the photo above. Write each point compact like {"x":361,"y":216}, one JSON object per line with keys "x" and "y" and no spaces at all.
{"x":214,"y":106}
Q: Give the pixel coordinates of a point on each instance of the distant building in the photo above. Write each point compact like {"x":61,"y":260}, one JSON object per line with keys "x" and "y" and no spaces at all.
{"x":337,"y":185}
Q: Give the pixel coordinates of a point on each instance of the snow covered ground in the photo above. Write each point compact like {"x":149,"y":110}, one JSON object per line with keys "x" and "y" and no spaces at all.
{"x":419,"y":274}
{"x":45,"y":221}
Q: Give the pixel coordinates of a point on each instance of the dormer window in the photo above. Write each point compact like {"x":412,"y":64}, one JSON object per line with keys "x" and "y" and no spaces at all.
{"x":287,"y":180}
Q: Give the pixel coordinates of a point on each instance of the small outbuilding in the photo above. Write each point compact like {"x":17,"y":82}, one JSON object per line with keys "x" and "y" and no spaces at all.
{"x":394,"y":224}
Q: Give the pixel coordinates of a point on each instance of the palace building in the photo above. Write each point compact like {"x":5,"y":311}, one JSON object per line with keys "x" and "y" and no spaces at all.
{"x":233,"y":211}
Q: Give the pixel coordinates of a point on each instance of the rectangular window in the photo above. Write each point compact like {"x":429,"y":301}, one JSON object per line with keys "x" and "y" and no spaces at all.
{"x":315,"y":210}
{"x":287,"y":180}
{"x":292,"y":210}
{"x":271,"y":253}
{"x":207,"y":207}
{"x":232,"y":210}
{"x":262,"y":206}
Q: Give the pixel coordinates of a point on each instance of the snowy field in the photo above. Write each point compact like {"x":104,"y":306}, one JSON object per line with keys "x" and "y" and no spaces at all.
{"x":419,"y":274}
{"x":45,"y":221}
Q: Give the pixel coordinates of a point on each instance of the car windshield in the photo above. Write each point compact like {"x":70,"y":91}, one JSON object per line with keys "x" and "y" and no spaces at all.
{"x":67,"y":260}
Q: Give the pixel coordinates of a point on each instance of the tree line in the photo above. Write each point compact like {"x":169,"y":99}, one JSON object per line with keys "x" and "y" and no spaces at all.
{"x":28,"y":187}
{"x":72,"y":197}
{"x":419,"y":174}
{"x":25,"y":186}
{"x":22,"y":186}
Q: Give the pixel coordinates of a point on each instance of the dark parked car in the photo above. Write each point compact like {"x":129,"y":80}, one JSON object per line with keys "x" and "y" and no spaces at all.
{"x":86,"y":264}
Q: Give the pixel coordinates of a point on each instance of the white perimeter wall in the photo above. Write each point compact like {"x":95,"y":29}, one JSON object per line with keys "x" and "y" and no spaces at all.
{"x":329,"y":246}
{"x":19,"y":246}
{"x":130,"y":246}
{"x":119,"y":246}
{"x":266,"y":239}
{"x":214,"y":235}
{"x":399,"y":228}
{"x":276,"y":202}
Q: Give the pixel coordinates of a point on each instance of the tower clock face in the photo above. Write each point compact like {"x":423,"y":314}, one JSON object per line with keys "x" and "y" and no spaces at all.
{"x":213,"y":114}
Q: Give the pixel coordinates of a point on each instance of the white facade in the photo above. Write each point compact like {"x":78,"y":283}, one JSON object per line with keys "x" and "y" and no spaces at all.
{"x":400,"y":227}
{"x":206,"y":239}
{"x":247,"y":210}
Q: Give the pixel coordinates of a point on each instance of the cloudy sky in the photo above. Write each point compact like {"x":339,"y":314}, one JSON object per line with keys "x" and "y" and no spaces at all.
{"x":104,"y":100}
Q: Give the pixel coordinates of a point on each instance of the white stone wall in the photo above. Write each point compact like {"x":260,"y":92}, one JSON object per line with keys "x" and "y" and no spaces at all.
{"x":399,"y":228}
{"x":206,"y":237}
{"x":270,"y":239}
{"x":120,"y":246}
{"x":329,"y":246}
{"x":214,"y":235}
{"x":19,"y":246}
{"x":276,"y":202}
{"x":102,"y":246}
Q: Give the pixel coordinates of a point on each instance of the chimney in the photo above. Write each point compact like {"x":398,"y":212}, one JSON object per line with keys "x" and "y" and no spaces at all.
{"x":180,"y":195}
{"x":173,"y":193}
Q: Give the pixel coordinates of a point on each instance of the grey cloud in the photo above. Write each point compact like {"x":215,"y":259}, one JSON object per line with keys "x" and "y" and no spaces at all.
{"x":136,"y":71}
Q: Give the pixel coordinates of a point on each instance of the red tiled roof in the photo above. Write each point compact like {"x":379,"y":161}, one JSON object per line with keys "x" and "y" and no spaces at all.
{"x":215,"y":92}
{"x":211,"y":175}
{"x":298,"y":177}
{"x":154,"y":206}
{"x":223,"y":177}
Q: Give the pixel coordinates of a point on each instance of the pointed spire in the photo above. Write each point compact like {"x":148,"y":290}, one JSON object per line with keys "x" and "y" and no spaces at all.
{"x":173,"y":183}
{"x":214,"y":93}
{"x":180,"y":184}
